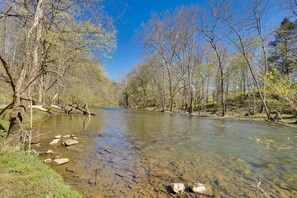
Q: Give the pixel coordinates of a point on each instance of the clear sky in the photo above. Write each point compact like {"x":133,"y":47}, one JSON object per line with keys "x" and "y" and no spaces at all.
{"x":128,"y":51}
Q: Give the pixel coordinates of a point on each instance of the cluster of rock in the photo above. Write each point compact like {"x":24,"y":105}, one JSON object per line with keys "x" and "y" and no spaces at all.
{"x":66,"y":140}
{"x":199,"y":188}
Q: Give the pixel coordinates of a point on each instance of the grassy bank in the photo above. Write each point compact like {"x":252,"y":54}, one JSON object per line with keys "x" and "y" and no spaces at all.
{"x":23,"y":175}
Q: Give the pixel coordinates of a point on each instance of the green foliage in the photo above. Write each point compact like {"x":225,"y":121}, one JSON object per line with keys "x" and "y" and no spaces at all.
{"x":23,"y":175}
{"x":284,"y":47}
{"x":283,"y":86}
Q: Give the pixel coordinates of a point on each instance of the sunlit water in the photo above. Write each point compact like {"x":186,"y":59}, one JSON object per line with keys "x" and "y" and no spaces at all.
{"x":134,"y":153}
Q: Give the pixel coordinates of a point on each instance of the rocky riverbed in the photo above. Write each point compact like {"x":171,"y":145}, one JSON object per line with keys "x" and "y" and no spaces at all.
{"x":125,"y":154}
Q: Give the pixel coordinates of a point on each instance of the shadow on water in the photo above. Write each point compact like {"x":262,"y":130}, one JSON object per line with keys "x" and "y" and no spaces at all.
{"x":130,"y":153}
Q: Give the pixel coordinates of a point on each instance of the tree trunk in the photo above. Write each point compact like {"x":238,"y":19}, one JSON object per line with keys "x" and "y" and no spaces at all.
{"x":16,"y":131}
{"x":41,"y":90}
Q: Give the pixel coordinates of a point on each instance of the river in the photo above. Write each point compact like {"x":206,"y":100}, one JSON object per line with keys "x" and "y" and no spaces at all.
{"x":135,"y":153}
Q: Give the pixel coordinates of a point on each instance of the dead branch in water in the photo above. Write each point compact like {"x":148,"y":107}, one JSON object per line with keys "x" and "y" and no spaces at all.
{"x":258,"y":186}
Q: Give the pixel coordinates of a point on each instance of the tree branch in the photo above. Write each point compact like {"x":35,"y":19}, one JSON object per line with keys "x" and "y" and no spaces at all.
{"x":4,"y":63}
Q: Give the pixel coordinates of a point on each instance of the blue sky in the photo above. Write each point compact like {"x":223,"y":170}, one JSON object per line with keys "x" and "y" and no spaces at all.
{"x":128,"y":51}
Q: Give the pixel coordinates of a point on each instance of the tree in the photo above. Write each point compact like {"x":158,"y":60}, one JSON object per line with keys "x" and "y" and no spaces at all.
{"x":210,"y":22}
{"x":58,"y":37}
{"x":284,"y":47}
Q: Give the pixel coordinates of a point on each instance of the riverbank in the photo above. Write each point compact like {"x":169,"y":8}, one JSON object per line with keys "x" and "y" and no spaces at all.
{"x":24,"y":175}
{"x":287,"y":120}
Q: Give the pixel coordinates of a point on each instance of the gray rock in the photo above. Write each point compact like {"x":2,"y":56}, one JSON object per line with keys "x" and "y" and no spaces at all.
{"x":66,"y":136}
{"x":177,"y":187}
{"x":69,"y":142}
{"x":55,"y":141}
{"x":48,"y":161}
{"x":61,"y":161}
{"x":58,"y":136}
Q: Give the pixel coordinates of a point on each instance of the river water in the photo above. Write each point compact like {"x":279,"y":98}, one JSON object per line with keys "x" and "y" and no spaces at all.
{"x":136,"y":153}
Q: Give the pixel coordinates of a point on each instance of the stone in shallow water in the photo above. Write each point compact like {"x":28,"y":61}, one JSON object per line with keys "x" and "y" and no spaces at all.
{"x":48,"y":161}
{"x":55,"y":141}
{"x":177,"y":187}
{"x":201,"y":189}
{"x":58,"y":136}
{"x":61,"y":161}
{"x":49,"y":152}
{"x":66,"y":136}
{"x":69,"y":142}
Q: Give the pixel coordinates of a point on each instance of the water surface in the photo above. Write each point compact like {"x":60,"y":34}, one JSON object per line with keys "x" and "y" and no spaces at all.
{"x":135,"y":153}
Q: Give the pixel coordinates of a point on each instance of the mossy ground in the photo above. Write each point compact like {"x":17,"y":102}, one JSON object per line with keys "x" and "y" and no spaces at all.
{"x":24,"y":175}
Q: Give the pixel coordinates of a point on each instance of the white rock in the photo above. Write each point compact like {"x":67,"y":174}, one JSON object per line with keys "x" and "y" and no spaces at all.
{"x":72,"y":135}
{"x":49,"y":152}
{"x":58,"y":136}
{"x":66,"y":136}
{"x":202,"y":189}
{"x":69,"y":142}
{"x":48,"y":161}
{"x":61,"y":161}
{"x":75,"y":138}
{"x":177,"y":187}
{"x":55,"y":141}
{"x":198,"y":188}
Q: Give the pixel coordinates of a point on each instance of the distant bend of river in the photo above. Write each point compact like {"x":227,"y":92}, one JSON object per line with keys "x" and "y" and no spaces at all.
{"x":135,"y":153}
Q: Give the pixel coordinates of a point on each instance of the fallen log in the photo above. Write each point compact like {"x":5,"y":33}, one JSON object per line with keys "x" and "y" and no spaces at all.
{"x":76,"y":109}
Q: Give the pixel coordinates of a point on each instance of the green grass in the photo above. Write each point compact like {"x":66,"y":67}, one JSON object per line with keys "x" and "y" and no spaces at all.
{"x":23,"y":175}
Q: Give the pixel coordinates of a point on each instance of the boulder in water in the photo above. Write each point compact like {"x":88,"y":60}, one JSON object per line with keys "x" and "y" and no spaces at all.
{"x":55,"y":141}
{"x":69,"y":142}
{"x":61,"y":161}
{"x":58,"y":136}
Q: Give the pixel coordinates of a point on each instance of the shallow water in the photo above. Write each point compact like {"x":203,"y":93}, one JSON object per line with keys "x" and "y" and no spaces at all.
{"x":135,"y":153}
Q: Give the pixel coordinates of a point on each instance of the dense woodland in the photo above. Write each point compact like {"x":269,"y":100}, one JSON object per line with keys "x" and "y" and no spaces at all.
{"x":222,"y":57}
{"x":51,"y":54}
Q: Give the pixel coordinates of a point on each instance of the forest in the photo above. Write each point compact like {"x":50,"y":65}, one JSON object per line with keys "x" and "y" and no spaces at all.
{"x":48,"y":56}
{"x":226,"y":57}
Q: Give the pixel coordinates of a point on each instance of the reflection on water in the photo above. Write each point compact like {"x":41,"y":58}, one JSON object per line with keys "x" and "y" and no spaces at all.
{"x":134,"y":153}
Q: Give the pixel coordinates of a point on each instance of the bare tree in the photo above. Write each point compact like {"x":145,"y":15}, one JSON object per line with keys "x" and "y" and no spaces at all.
{"x":210,"y":22}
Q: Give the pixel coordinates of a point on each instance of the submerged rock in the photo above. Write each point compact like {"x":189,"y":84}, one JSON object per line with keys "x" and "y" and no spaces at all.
{"x":61,"y":161}
{"x":70,"y":169}
{"x":58,"y":136}
{"x":69,"y":142}
{"x":55,"y":141}
{"x":48,"y":161}
{"x":201,"y":189}
{"x":177,"y":187}
{"x":50,"y":152}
